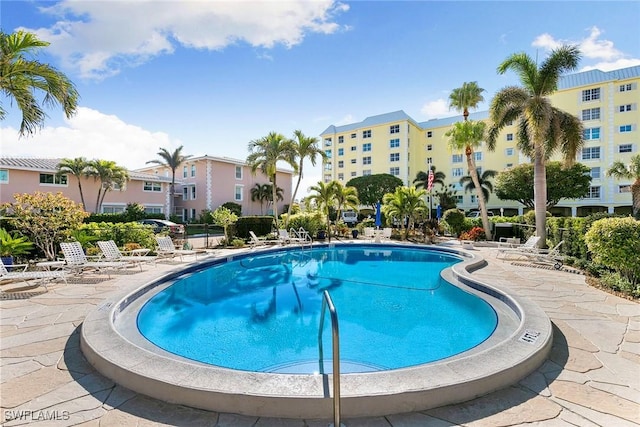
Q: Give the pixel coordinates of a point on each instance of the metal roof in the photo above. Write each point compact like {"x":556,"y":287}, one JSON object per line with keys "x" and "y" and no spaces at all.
{"x":394,"y":116}
{"x":51,"y":165}
{"x":593,"y":77}
{"x":447,"y":121}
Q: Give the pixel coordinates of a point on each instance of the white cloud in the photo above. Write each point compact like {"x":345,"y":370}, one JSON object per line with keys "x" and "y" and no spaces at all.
{"x":98,"y":38}
{"x":93,"y":135}
{"x":601,"y":53}
{"x":436,"y":109}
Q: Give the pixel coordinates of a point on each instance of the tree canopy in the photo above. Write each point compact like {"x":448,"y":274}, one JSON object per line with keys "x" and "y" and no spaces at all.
{"x":372,"y":188}
{"x":517,"y":183}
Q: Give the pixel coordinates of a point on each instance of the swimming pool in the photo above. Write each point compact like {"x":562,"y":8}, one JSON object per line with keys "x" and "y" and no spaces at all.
{"x":113,"y":344}
{"x":261,"y":313}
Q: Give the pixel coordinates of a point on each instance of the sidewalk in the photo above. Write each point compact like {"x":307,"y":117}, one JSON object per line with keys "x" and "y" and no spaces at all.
{"x":592,"y":377}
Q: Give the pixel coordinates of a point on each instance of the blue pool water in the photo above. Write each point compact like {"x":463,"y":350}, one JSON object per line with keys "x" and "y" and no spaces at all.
{"x":262,"y":312}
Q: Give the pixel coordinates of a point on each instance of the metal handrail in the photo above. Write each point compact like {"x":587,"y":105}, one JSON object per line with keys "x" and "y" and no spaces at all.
{"x":335,"y":335}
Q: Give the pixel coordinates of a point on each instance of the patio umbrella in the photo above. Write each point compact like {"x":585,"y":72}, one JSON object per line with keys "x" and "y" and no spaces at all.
{"x":438,"y":211}
{"x":378,"y":215}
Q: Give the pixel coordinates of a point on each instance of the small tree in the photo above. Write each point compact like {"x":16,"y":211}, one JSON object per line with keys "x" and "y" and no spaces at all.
{"x":224,"y":218}
{"x":372,"y":188}
{"x":47,"y":218}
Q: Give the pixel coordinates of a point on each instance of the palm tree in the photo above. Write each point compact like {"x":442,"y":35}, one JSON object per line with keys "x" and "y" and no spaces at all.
{"x":465,"y":97}
{"x":542,"y":128}
{"x":110,"y":175}
{"x":422,"y":181}
{"x":80,"y":168}
{"x":260,"y":192}
{"x":405,"y":202}
{"x":265,"y":153}
{"x":306,"y":147}
{"x":466,"y":136}
{"x":173,"y":162}
{"x":324,"y":198}
{"x":21,"y":77}
{"x":345,"y":197}
{"x":486,"y":186}
{"x":269,"y":195}
{"x":619,"y":170}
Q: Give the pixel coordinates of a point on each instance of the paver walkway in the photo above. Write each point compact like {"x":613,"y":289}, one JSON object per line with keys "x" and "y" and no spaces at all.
{"x":592,"y":377}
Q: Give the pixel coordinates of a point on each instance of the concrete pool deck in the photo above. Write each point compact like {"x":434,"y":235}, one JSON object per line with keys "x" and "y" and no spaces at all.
{"x":591,"y":378}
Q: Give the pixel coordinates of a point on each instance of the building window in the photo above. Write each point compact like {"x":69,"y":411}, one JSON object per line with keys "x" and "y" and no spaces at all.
{"x":429,"y":134}
{"x":625,"y":128}
{"x":459,"y":200}
{"x":508,"y":151}
{"x":594,"y":192}
{"x":366,"y":147}
{"x":366,"y":172}
{"x":429,"y":160}
{"x":112,"y":209}
{"x":353,"y":174}
{"x":624,"y":188}
{"x":590,"y":153}
{"x":479,"y":170}
{"x":354,"y":148}
{"x":353,"y":161}
{"x":340,"y":139}
{"x":327,"y":142}
{"x":591,"y":133}
{"x":184,"y":171}
{"x":626,"y":87}
{"x":394,"y":129}
{"x":341,"y":176}
{"x":394,"y":143}
{"x":193,"y":213}
{"x":193,"y":170}
{"x":625,"y":148}
{"x":429,"y":147}
{"x":477,"y":156}
{"x":238,"y":193}
{"x":366,"y":133}
{"x":328,"y":166}
{"x":457,"y":172}
{"x":155,"y":187}
{"x":595,"y":173}
{"x":4,"y":176}
{"x":52,"y":179}
{"x":185,"y":193}
{"x":394,"y":157}
{"x":327,"y":153}
{"x":238,"y":172}
{"x":625,"y":107}
{"x":591,"y":114}
{"x":509,"y":137}
{"x":509,"y":165}
{"x":353,"y":135}
{"x":456,"y":158}
{"x":366,"y":160}
{"x":340,"y":151}
{"x":474,"y":199}
{"x":591,"y":94}
{"x":394,"y":171}
{"x":193,"y":192}
{"x":340,"y":164}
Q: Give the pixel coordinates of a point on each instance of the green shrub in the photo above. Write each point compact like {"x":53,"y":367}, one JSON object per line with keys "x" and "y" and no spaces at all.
{"x":619,"y":283}
{"x":615,"y":243}
{"x":261,"y":225}
{"x":237,"y":243}
{"x":310,"y":221}
{"x":121,"y":233}
{"x":454,"y":221}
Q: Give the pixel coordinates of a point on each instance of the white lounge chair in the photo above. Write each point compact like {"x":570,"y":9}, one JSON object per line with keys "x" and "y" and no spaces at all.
{"x":542,"y":256}
{"x":76,"y":260}
{"x":166,"y":248}
{"x":369,"y":233}
{"x":530,"y":245}
{"x":25,"y":276}
{"x":386,"y":233}
{"x":111,"y":252}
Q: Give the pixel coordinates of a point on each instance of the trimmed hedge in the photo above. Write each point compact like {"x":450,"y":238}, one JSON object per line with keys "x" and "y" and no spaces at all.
{"x":261,"y":225}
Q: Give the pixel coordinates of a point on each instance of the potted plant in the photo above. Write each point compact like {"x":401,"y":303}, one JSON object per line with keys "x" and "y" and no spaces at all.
{"x":11,"y":246}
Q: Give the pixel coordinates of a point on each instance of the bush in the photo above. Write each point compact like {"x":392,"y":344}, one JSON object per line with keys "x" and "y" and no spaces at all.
{"x":233,"y":207}
{"x":615,"y":243}
{"x":454,"y":220}
{"x":261,"y":225}
{"x":121,"y":233}
{"x":619,"y":283}
{"x":310,"y":221}
{"x":475,"y":234}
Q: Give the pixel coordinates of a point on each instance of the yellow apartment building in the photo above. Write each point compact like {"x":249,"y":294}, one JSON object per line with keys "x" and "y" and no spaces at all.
{"x":394,"y":143}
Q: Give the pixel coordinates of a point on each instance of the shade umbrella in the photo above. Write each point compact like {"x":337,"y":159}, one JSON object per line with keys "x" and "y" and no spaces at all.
{"x":378,"y":215}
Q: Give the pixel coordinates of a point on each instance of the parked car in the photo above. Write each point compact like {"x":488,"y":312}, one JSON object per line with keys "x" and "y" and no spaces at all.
{"x":476,"y":214}
{"x":160,"y":225}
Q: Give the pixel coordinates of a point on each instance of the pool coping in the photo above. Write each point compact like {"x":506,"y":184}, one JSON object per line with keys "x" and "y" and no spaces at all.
{"x":410,"y":389}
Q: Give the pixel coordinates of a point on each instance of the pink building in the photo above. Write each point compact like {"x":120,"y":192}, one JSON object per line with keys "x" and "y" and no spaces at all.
{"x":201,"y":183}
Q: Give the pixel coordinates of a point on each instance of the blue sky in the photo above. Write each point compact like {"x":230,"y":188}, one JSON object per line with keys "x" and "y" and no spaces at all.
{"x":213,"y":75}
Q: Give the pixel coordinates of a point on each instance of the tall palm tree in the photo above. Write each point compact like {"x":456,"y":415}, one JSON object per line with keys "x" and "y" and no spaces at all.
{"x":265,"y":153}
{"x":465,"y":97}
{"x":323,"y":195}
{"x":422,"y":181}
{"x":306,"y":147}
{"x":542,"y":128}
{"x":486,"y":185}
{"x":260,"y":192}
{"x":21,"y":78}
{"x":173,"y":162}
{"x":346,"y":197}
{"x":80,"y":168}
{"x":405,"y":202}
{"x":465,"y":136}
{"x":110,"y":175}
{"x":269,"y":195}
{"x":619,"y":170}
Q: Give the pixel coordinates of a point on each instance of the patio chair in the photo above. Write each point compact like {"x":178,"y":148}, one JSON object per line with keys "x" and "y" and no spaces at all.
{"x":111,"y":252}
{"x":542,"y":256}
{"x":386,"y":233}
{"x":166,"y":249}
{"x":77,"y":261}
{"x":369,"y":233}
{"x":530,"y":245}
{"x":24,"y":276}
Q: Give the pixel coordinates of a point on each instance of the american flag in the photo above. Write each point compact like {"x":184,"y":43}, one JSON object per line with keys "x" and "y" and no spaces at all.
{"x":430,"y":181}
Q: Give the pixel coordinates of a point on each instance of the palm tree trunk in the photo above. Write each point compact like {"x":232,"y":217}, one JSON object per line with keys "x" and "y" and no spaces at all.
{"x":98,"y":198}
{"x":540,"y":196}
{"x":172,"y":192}
{"x":84,"y":205}
{"x":274,"y":192}
{"x":473,"y":171}
{"x":293,"y":196}
{"x":635,"y":199}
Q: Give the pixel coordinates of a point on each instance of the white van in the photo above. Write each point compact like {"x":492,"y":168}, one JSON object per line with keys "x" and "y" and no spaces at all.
{"x":350,"y":217}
